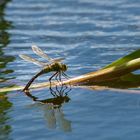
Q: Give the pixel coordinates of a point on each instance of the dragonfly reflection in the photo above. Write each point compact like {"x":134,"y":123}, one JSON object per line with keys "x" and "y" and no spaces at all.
{"x":53,"y":112}
{"x":55,"y":101}
{"x":54,"y":65}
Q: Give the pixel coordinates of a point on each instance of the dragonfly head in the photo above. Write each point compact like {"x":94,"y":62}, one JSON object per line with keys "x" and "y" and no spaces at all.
{"x":64,"y":67}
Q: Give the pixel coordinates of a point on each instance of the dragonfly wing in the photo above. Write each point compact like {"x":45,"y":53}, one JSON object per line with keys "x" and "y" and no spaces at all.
{"x":58,"y":59}
{"x":29,"y":59}
{"x":40,"y":52}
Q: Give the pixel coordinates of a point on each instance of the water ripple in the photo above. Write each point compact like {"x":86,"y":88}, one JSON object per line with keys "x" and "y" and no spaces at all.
{"x":89,"y":34}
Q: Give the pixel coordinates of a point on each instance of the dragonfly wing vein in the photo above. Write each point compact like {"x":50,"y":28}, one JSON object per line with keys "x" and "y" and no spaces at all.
{"x":40,"y":52}
{"x":58,"y":59}
{"x":32,"y":60}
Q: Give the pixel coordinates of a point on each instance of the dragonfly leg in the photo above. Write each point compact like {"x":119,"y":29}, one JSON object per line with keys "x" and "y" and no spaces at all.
{"x":65,"y":75}
{"x":66,"y":87}
{"x":62,"y":85}
{"x":64,"y":90}
{"x":50,"y":80}
{"x":56,"y":78}
{"x":53,"y":92}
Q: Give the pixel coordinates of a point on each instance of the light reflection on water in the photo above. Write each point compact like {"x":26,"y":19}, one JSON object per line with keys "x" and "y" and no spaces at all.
{"x":90,"y":34}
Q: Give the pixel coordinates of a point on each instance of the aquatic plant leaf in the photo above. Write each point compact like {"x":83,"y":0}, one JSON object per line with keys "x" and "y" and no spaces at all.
{"x":131,"y":78}
{"x":117,"y":74}
{"x":125,"y":59}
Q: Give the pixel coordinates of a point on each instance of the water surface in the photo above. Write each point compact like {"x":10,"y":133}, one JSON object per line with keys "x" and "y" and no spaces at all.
{"x":89,"y":34}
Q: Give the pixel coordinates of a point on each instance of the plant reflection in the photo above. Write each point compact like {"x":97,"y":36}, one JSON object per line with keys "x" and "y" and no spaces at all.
{"x":5,"y":105}
{"x":4,"y":41}
{"x":5,"y":128}
{"x":52,"y":108}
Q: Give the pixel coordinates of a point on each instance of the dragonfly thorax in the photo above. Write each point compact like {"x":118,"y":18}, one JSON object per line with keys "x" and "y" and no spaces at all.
{"x":60,"y":67}
{"x":56,"y":67}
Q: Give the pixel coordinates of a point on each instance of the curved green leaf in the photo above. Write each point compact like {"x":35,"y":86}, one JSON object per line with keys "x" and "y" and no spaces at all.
{"x":127,"y":58}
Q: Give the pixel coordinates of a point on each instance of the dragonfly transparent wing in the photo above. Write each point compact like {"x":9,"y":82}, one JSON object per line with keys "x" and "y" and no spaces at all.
{"x":40,"y":52}
{"x":29,"y":59}
{"x":58,"y":59}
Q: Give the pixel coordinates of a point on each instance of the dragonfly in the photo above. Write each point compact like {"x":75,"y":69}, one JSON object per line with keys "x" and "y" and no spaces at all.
{"x":53,"y":65}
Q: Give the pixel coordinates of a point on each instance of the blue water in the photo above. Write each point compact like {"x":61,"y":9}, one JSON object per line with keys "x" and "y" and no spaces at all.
{"x":89,"y":34}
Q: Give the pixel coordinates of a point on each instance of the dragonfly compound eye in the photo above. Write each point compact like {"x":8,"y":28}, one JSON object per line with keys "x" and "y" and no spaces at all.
{"x":64,"y":67}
